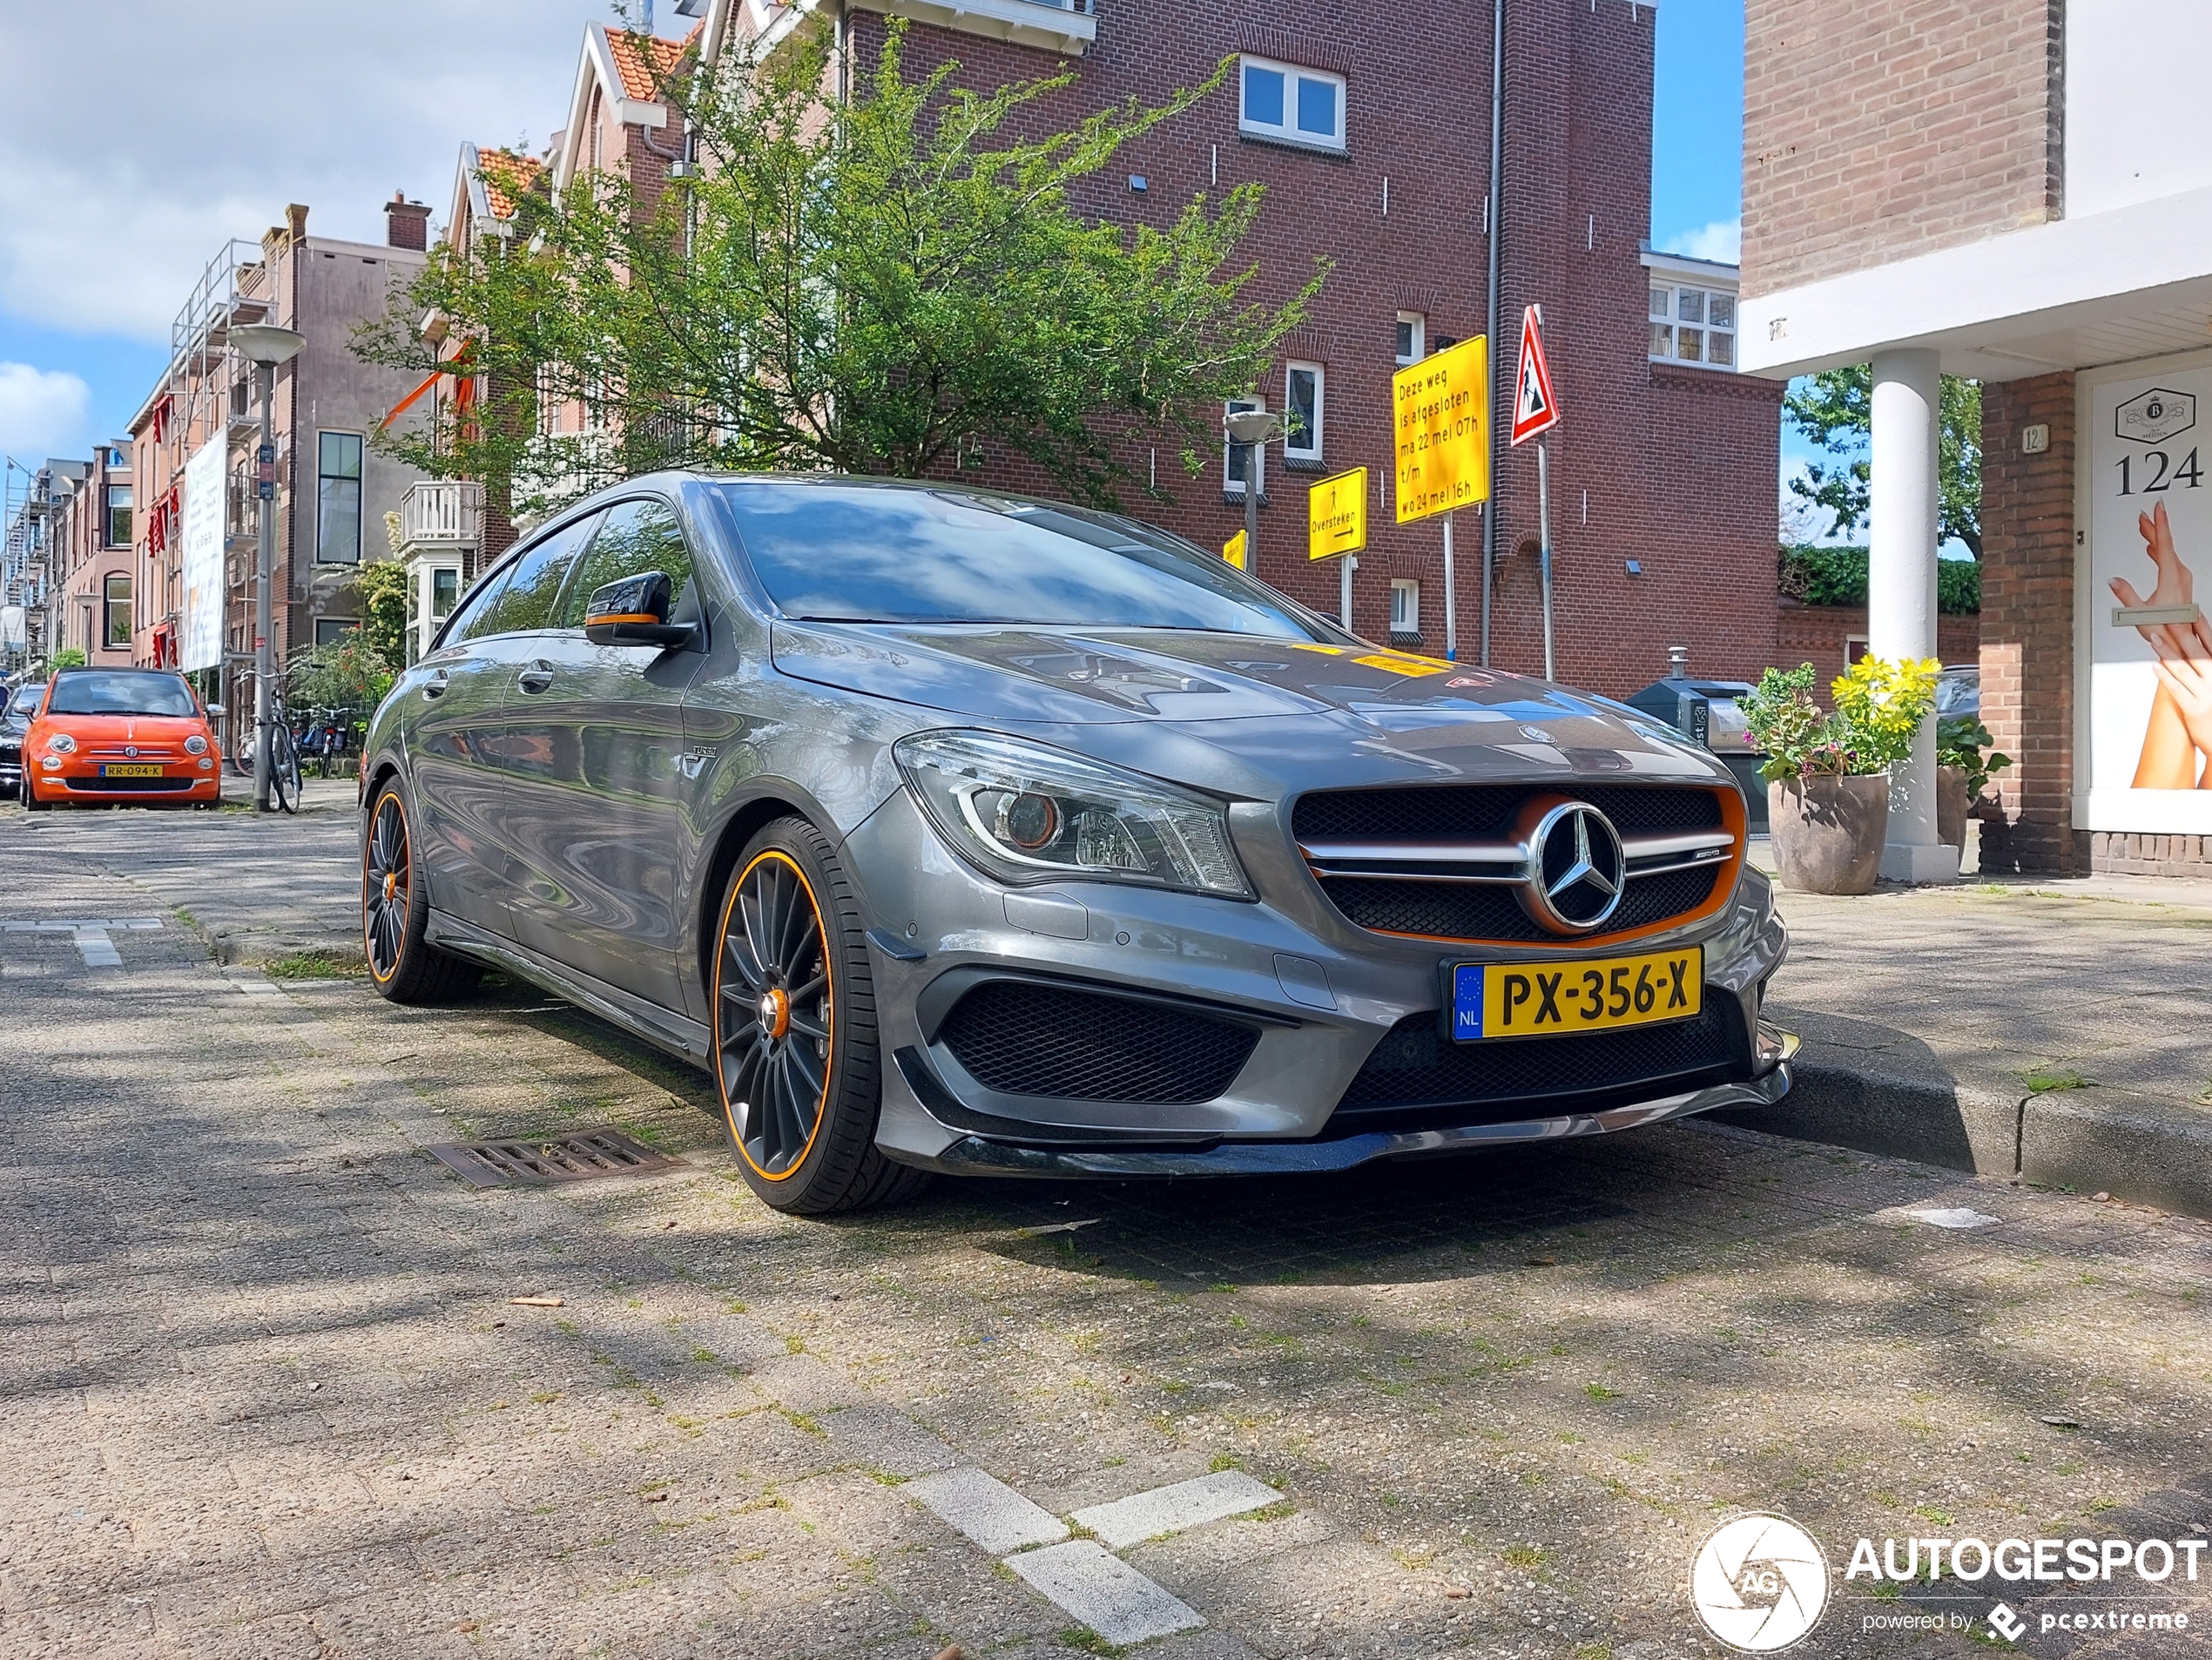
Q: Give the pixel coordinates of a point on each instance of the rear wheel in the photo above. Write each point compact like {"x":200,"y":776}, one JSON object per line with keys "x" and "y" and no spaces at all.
{"x":796,"y":1056}
{"x":284,"y":771}
{"x":395,"y":912}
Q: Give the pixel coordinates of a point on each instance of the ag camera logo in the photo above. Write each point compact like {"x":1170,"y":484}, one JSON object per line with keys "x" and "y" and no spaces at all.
{"x":1759,"y":1584}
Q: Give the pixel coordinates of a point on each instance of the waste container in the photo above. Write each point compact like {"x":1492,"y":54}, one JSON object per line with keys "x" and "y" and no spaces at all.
{"x":1712,"y":713}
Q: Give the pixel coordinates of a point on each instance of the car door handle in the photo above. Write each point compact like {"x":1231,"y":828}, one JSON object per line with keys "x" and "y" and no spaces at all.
{"x":436,"y":685}
{"x":536,"y":678}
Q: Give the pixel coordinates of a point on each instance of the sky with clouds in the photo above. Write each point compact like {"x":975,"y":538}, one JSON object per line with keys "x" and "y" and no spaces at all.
{"x":152,"y":141}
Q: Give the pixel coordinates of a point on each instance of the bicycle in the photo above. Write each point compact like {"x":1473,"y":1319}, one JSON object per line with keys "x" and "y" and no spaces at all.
{"x":284,"y":752}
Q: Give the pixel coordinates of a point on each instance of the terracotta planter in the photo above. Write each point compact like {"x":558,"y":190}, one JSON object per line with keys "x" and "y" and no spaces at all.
{"x":1951,"y":806}
{"x":1828,"y":832}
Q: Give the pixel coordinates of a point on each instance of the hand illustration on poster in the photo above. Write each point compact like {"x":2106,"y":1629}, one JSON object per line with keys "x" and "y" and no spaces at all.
{"x":2143,"y":513}
{"x":2177,"y":743}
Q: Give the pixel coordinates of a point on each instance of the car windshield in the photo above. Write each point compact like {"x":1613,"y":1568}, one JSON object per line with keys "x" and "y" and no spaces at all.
{"x":864,"y":554}
{"x":121,"y":691}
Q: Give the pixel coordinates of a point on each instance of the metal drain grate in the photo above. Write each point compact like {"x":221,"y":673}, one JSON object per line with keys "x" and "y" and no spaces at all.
{"x":575,"y":1158}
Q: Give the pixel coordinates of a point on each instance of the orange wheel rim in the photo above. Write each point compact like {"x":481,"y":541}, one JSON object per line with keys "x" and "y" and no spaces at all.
{"x":774,"y":1016}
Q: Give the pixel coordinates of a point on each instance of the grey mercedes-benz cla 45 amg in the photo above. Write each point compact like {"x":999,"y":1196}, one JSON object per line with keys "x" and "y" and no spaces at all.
{"x":957,"y":832}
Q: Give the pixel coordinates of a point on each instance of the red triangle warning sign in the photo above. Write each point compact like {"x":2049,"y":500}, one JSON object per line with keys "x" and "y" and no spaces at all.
{"x":1535,"y":407}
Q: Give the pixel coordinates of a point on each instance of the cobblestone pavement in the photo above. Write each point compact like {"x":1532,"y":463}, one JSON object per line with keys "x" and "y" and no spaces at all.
{"x":263,"y":1390}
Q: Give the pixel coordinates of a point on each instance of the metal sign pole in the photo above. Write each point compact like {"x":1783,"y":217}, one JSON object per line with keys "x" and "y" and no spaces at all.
{"x":1347,"y":564}
{"x":1252,"y":509}
{"x":1544,"y":542}
{"x":1451,"y":599}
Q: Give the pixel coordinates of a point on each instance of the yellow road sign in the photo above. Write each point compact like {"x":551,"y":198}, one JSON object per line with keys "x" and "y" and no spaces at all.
{"x":1233,"y":551}
{"x":1336,"y":516}
{"x":1441,"y":409}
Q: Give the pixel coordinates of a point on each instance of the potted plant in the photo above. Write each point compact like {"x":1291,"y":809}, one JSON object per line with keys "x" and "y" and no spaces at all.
{"x":1964,"y":764}
{"x":1828,"y":787}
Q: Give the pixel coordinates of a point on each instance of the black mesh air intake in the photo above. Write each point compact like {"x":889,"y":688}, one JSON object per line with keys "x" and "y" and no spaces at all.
{"x":1415,"y":1066}
{"x":1452,"y":911}
{"x":1024,"y":1039}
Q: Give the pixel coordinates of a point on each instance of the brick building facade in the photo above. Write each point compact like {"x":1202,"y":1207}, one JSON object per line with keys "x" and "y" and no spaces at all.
{"x":1975,"y":189}
{"x":1664,"y":466}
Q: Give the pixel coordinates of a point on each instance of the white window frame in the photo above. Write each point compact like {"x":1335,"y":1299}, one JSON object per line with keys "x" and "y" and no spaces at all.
{"x":1306,"y":446}
{"x":1287,"y":130}
{"x":1233,"y":486}
{"x":1420,"y":322}
{"x":1410,"y":589}
{"x":1666,"y":328}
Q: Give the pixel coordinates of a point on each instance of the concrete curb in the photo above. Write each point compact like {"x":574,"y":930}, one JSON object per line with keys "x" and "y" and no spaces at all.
{"x":2133,"y":1147}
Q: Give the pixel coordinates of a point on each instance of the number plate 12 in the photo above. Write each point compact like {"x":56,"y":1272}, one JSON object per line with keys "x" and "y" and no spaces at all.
{"x":1547,"y":999}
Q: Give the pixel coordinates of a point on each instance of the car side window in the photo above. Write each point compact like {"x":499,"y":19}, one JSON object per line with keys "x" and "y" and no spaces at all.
{"x":476,"y":608}
{"x":636,"y":536}
{"x":527,"y":603}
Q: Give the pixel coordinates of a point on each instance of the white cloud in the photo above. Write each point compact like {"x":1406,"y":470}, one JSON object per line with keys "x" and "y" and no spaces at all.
{"x":1723,"y":240}
{"x":205,"y":118}
{"x":42,"y":412}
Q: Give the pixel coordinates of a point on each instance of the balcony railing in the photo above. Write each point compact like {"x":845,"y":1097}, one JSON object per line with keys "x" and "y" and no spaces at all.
{"x":446,"y":512}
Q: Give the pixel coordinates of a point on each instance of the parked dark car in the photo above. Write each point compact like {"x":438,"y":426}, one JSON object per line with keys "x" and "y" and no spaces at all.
{"x":16,"y":712}
{"x":963,"y":832}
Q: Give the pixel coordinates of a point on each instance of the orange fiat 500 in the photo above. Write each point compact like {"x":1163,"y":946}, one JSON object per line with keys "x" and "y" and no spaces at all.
{"x":122,"y":737}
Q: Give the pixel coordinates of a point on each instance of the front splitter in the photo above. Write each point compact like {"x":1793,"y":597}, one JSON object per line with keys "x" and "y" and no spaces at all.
{"x":975,"y":1156}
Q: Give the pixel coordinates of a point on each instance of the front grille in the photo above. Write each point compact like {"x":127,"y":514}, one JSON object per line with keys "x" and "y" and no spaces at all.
{"x":1472,"y":911}
{"x":1440,"y":812}
{"x":1415,"y":1067}
{"x":1489,"y":813}
{"x":117,"y":752}
{"x":121,"y":785}
{"x":1023,"y":1039}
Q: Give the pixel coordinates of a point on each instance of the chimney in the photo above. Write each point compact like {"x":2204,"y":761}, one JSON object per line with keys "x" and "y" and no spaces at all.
{"x":296,"y":217}
{"x":407,"y":225}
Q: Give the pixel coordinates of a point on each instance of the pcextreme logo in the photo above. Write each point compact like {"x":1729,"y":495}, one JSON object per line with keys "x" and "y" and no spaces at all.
{"x":1759,"y":1584}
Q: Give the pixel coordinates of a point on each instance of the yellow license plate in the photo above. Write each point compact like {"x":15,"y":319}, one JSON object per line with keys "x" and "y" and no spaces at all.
{"x":119,"y":771}
{"x":1547,"y":999}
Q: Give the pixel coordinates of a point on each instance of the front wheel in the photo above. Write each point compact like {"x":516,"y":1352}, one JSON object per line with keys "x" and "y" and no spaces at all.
{"x":796,"y":1057}
{"x":30,"y":801}
{"x":395,"y":912}
{"x":284,"y":771}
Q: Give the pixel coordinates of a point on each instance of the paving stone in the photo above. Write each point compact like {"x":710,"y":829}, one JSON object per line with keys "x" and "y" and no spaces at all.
{"x":992,"y":1513}
{"x":886,"y":1441}
{"x":1103,"y":1592}
{"x":1170,"y":1509}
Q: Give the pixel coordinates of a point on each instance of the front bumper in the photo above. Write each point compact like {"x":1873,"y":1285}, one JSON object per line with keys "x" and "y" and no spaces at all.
{"x":978,"y":1156}
{"x":80,"y":781}
{"x":1324,"y":999}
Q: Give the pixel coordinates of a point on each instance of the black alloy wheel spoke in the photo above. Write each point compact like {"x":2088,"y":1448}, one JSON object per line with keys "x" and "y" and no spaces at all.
{"x":387,"y":910}
{"x":775,"y":1081}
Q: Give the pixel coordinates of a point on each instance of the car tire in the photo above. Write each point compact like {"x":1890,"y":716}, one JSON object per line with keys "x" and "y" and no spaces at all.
{"x":30,"y":801}
{"x":797,"y":1061}
{"x":403,"y":965}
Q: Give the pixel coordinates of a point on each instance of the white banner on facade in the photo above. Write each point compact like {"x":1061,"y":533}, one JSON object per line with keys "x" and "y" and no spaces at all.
{"x":2143,"y":598}
{"x":200,"y":640}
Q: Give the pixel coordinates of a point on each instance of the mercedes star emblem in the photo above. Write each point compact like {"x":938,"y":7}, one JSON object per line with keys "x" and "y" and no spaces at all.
{"x":1577,"y":869}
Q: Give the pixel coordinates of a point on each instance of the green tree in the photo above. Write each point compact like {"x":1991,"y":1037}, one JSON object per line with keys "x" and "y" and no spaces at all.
{"x":896,"y":282}
{"x":382,"y":589}
{"x":69,"y":657}
{"x":1834,"y":410}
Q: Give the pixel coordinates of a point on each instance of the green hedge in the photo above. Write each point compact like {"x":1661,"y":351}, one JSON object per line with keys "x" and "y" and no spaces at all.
{"x":1838,"y":576}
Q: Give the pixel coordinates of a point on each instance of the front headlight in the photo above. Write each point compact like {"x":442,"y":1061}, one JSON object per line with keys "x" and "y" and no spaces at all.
{"x":195,"y":745}
{"x":1027,"y":812}
{"x":62,"y":744}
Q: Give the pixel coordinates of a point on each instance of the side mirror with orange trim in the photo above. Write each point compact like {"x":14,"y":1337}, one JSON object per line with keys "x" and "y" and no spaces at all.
{"x":634,"y":611}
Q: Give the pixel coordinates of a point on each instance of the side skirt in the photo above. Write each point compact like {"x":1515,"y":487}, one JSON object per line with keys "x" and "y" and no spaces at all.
{"x":679,"y":1035}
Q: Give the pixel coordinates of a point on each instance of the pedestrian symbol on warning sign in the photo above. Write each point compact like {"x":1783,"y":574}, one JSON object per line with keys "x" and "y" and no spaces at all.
{"x":1535,"y":407}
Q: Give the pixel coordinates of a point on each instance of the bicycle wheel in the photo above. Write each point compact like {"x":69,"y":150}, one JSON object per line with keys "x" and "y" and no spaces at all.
{"x":284,"y":770}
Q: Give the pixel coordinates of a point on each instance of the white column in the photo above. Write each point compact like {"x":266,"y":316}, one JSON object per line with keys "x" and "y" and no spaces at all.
{"x":1901,"y":587}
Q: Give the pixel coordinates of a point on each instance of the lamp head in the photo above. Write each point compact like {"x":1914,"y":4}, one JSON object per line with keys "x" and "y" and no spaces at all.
{"x":266,"y":343}
{"x":1252,"y":426}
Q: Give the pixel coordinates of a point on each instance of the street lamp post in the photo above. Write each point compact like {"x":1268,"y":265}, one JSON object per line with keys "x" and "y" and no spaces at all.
{"x":1251,"y":430}
{"x":267,"y":345}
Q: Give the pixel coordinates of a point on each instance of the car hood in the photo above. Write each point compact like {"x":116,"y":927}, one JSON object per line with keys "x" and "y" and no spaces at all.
{"x":1160,"y":697}
{"x":124,"y":729}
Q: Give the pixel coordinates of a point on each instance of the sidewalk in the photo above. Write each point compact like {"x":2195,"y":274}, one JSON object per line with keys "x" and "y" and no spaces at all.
{"x":2059,"y":1030}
